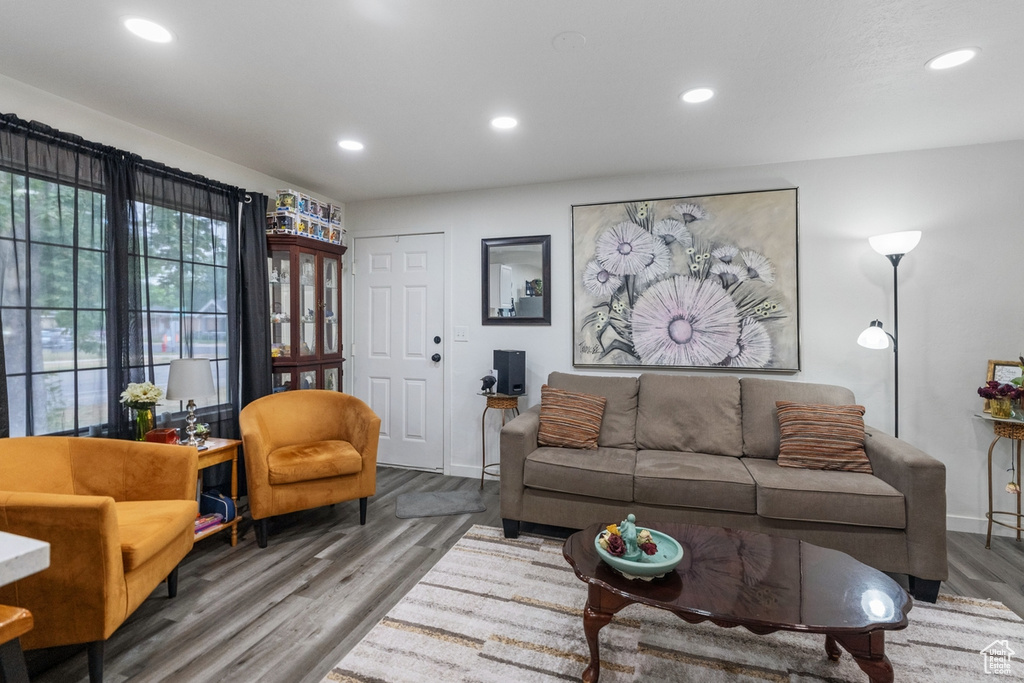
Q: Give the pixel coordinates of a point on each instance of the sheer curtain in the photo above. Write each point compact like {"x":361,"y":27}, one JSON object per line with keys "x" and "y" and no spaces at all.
{"x":111,"y":266}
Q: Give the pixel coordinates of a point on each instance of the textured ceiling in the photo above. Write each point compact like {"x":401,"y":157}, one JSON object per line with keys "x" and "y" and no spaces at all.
{"x":273,"y":86}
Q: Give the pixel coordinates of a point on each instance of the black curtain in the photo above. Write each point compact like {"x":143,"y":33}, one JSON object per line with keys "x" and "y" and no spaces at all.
{"x":254,"y":303}
{"x":252,"y":342}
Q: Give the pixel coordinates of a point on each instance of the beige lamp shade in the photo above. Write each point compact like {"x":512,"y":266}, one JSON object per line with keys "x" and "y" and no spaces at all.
{"x":190,"y":378}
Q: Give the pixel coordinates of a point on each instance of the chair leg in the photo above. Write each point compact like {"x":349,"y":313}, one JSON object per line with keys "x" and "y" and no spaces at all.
{"x":172,"y":582}
{"x":261,"y":532}
{"x":925,"y":590}
{"x":362,"y":511}
{"x":95,"y":649}
{"x":12,"y":662}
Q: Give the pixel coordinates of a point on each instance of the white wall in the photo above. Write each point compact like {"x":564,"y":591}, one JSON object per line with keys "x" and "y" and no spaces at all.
{"x":32,"y":104}
{"x":960,"y":289}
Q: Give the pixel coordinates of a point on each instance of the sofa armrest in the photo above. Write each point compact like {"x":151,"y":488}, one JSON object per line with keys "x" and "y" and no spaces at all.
{"x":85,"y":562}
{"x":922,"y":481}
{"x":518,"y":440}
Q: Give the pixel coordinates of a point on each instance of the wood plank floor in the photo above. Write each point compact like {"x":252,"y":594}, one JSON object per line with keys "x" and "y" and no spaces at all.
{"x":289,"y":612}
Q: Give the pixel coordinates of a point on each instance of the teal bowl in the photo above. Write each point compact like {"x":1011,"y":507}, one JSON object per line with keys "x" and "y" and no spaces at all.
{"x":668,"y":556}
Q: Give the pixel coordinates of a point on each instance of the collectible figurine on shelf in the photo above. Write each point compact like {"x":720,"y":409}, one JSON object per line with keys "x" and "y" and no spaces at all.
{"x":274,"y":276}
{"x":284,"y":273}
{"x":489,"y":382}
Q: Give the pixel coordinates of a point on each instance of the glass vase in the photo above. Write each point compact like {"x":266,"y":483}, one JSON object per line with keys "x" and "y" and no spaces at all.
{"x":1001,"y":408}
{"x":144,"y":422}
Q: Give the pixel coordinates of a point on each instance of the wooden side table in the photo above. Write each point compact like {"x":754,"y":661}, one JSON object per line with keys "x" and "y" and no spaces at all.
{"x":218,"y":451}
{"x":500,"y":402}
{"x":1013,"y":430}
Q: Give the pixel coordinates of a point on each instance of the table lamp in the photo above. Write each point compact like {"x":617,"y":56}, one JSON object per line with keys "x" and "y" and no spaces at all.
{"x":190,"y":378}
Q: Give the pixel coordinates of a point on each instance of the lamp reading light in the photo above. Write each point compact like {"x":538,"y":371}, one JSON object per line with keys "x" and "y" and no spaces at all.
{"x":874,"y":337}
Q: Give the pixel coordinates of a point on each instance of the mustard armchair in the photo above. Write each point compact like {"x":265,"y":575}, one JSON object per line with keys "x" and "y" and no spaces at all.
{"x":305,"y":449}
{"x":119,"y":516}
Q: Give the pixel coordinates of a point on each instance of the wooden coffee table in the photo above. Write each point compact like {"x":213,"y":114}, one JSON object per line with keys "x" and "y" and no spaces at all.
{"x":764,"y":583}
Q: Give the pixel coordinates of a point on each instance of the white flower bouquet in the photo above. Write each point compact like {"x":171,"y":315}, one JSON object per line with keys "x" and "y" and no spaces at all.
{"x":141,"y":395}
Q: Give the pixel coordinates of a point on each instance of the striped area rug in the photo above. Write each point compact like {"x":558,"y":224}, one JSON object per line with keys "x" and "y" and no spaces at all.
{"x":494,"y":609}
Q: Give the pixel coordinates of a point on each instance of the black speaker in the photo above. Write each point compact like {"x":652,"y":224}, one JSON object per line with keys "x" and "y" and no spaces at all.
{"x":511,"y":367}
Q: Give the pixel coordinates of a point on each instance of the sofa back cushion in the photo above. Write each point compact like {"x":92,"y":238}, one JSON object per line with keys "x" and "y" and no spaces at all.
{"x":697,"y":414}
{"x":618,"y":428}
{"x":760,"y":419}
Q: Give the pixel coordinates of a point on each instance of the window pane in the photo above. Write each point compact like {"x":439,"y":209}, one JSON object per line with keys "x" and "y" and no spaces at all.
{"x":92,"y":222}
{"x":220,"y":234}
{"x":163,"y":232}
{"x":91,"y":282}
{"x":163,"y":284}
{"x":52,"y":282}
{"x":15,"y":336}
{"x":52,"y":212}
{"x":92,"y":398}
{"x":16,"y":409}
{"x":55,"y":331}
{"x":199,"y":288}
{"x":92,"y":339}
{"x":12,"y":265}
{"x":54,"y":402}
{"x":166,"y":330}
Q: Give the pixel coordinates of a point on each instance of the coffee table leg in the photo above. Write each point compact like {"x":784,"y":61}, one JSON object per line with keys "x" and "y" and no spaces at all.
{"x":601,"y":606}
{"x":832,"y":649}
{"x":868,"y":650}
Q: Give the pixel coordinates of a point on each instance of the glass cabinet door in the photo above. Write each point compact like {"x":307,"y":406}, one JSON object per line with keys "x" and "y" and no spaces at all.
{"x":280,"y":304}
{"x":282,"y":381}
{"x":332,"y":378}
{"x":332,"y":319}
{"x":307,"y":304}
{"x":307,"y":379}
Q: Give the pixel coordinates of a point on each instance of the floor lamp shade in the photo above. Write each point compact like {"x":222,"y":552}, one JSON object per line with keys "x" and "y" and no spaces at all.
{"x":894,"y":243}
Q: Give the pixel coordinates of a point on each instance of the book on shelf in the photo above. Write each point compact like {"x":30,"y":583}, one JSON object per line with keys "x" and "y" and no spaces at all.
{"x":204,"y":522}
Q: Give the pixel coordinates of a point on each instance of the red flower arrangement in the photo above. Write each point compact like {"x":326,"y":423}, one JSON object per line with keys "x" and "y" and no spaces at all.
{"x":996,"y":390}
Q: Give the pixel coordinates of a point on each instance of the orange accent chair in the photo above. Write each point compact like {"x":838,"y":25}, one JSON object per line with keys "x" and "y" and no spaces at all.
{"x":305,"y":449}
{"x":119,"y":516}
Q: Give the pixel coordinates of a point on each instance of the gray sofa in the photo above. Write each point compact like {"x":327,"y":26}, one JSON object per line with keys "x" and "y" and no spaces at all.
{"x":703,"y":449}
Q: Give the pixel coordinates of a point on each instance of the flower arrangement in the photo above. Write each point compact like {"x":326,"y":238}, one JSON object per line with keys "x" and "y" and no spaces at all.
{"x":995,"y":390}
{"x":141,"y":395}
{"x":612,"y":541}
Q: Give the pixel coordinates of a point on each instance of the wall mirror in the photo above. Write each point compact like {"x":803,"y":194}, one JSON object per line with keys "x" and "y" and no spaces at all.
{"x":514,"y":280}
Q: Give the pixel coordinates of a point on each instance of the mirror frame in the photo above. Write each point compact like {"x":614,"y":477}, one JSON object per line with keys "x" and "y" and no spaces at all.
{"x":485,"y":245}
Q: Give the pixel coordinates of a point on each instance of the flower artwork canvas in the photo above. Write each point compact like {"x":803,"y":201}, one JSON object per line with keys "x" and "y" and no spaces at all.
{"x":708,"y":282}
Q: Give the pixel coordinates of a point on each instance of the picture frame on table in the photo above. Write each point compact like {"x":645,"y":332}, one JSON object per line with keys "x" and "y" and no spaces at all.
{"x":1002,"y":371}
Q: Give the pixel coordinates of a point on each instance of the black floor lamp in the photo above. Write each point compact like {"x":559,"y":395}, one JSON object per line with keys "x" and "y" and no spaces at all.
{"x":894,"y":246}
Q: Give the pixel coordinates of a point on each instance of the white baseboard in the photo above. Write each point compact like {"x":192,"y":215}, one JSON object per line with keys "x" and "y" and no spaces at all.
{"x":974,"y":525}
{"x":468,"y":471}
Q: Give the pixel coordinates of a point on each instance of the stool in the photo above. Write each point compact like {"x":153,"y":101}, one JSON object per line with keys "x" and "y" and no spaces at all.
{"x":500,"y":402}
{"x":14,"y":623}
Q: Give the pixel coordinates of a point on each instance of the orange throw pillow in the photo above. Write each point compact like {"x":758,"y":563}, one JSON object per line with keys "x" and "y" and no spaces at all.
{"x":569,"y":419}
{"x":822,"y":437}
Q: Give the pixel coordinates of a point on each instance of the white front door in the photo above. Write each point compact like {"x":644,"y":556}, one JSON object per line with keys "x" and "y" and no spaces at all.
{"x":398,"y":365}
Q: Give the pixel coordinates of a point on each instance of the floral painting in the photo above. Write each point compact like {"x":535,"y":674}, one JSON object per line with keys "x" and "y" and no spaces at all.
{"x":708,"y":282}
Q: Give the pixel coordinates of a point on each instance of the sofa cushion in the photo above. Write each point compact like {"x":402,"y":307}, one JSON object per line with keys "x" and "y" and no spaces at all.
{"x":818,"y":437}
{"x":691,"y":413}
{"x":569,"y":419}
{"x":693,"y":480}
{"x":602,"y":473}
{"x":760,"y":422}
{"x":825,"y":496}
{"x":314,"y":460}
{"x":618,"y":429}
{"x":146,"y":527}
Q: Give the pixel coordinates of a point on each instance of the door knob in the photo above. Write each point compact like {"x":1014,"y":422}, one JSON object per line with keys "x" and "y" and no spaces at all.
{"x":436,"y":358}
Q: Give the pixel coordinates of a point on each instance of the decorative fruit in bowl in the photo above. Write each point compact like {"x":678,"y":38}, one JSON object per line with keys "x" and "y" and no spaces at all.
{"x":638,"y":553}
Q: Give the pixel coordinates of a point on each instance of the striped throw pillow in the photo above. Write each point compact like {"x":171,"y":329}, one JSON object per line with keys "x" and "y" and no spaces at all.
{"x":822,"y":437}
{"x":569,"y":419}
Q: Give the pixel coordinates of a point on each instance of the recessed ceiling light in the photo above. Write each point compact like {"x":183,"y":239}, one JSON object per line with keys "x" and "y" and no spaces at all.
{"x":504,"y":122}
{"x":144,"y":28}
{"x":697,"y":95}
{"x":954,"y":58}
{"x":350,"y":145}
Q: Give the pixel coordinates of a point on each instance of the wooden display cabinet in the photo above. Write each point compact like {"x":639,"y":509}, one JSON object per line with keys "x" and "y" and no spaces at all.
{"x":305,"y":312}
